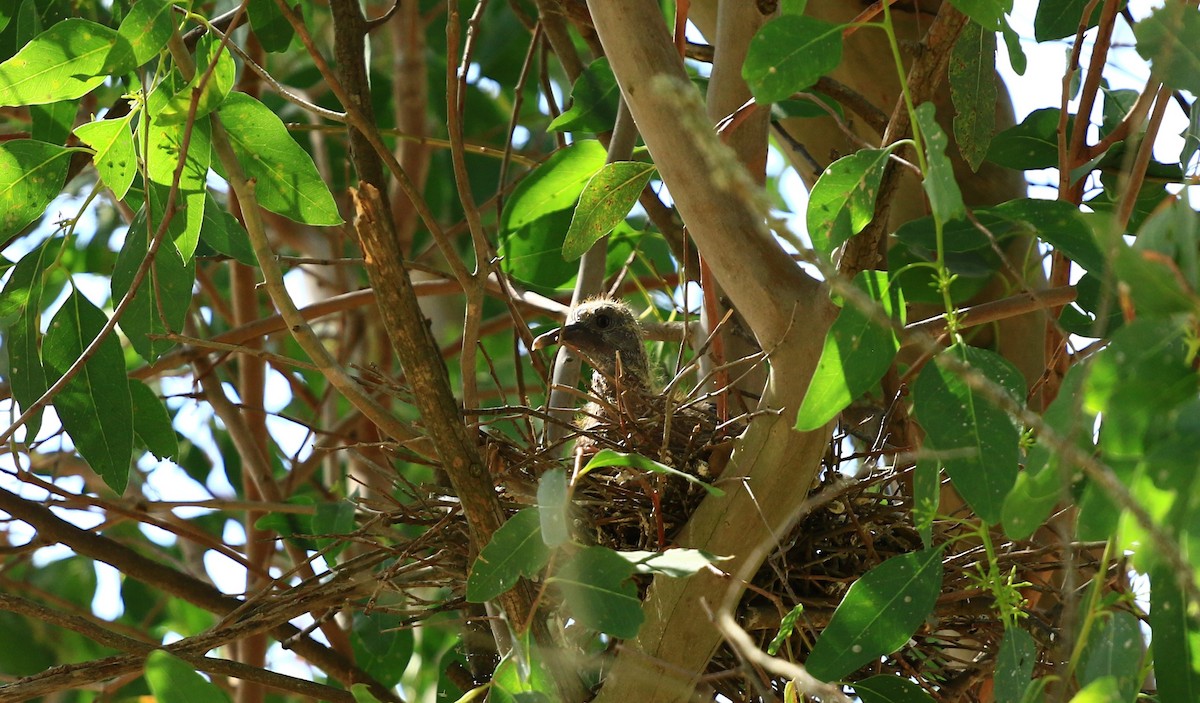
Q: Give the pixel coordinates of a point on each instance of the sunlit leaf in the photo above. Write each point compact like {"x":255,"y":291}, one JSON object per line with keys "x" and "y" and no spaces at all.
{"x":286,"y":180}
{"x":605,"y":201}
{"x":608,"y":457}
{"x":857,"y":352}
{"x":842,"y":201}
{"x":65,"y":62}
{"x":147,"y":28}
{"x":940,"y":186}
{"x":789,"y":54}
{"x":115,"y":159}
{"x":31,"y":174}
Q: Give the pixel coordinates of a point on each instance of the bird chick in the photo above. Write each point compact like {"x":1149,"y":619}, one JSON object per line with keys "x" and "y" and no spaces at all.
{"x":607,"y":335}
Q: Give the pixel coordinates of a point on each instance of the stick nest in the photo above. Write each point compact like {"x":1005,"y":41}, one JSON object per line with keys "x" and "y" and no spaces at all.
{"x":854,"y":525}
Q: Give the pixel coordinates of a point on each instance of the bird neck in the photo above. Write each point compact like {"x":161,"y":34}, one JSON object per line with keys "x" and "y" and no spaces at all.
{"x":628,"y":379}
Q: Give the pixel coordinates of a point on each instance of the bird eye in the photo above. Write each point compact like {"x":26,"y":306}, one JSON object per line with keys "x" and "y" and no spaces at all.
{"x":602,"y":321}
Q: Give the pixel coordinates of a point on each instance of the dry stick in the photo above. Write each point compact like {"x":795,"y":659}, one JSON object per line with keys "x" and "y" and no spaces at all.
{"x":411,"y":337}
{"x":1087,"y":98}
{"x":997,"y":310}
{"x":1137,"y":174}
{"x":867,"y":250}
{"x":456,"y":77}
{"x":454,"y":442}
{"x":53,"y":529}
{"x":105,"y":636}
{"x":357,"y":119}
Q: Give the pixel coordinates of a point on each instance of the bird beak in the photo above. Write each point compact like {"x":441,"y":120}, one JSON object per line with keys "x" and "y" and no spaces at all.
{"x":577,"y":337}
{"x":544,"y":340}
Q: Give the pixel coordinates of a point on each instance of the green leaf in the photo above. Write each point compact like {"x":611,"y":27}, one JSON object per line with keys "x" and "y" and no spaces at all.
{"x":94,"y":406}
{"x":152,"y":422}
{"x":1176,"y":638}
{"x":273,"y":30}
{"x":593,"y":101}
{"x":382,"y":645}
{"x":599,"y":592}
{"x":1060,"y":225}
{"x":842,"y":201}
{"x":972,"y":72}
{"x":52,"y":122}
{"x":1174,"y":232}
{"x":519,"y":674}
{"x":1151,"y":282}
{"x":166,"y":142}
{"x":362,"y":694}
{"x":879,"y":614}
{"x":65,"y":62}
{"x":605,"y":201}
{"x":989,"y":14}
{"x":554,"y":185}
{"x":608,"y":457}
{"x":1033,"y":496}
{"x":1143,"y":374}
{"x":675,"y":562}
{"x":296,"y":526}
{"x":553,"y":503}
{"x":1167,"y":39}
{"x":1191,"y":139}
{"x":1057,"y":222}
{"x":224,"y":233}
{"x":945,"y":199}
{"x":1014,"y":665}
{"x":516,"y":550}
{"x":115,"y":158}
{"x":31,"y":174}
{"x":789,"y":54}
{"x":890,"y":689}
{"x":787,"y":625}
{"x":147,"y":28}
{"x":975,"y":441}
{"x":161,"y":303}
{"x":172,"y":680}
{"x":1114,"y":649}
{"x":20,"y":311}
{"x":1059,"y":19}
{"x":1033,"y":144}
{"x":216,"y":88}
{"x":857,"y":352}
{"x":1103,"y":690}
{"x":926,"y":495}
{"x":337,"y":521}
{"x":286,"y":180}
{"x":532,"y":254}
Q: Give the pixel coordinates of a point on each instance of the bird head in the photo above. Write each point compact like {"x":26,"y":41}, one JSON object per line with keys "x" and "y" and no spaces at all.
{"x":602,"y":330}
